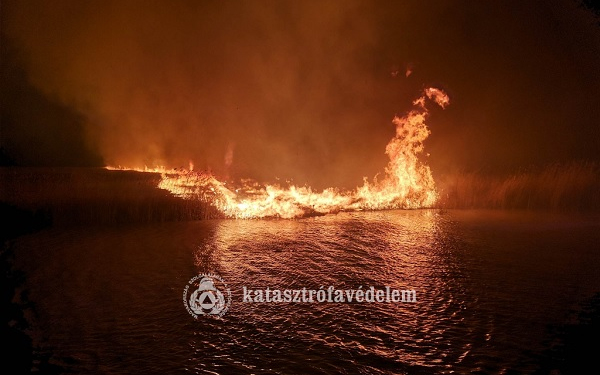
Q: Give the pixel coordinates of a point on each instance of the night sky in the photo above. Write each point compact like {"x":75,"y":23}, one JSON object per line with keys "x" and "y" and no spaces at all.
{"x":302,"y":90}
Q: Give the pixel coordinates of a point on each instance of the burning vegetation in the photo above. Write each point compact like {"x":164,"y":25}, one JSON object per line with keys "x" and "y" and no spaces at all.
{"x":406,"y":184}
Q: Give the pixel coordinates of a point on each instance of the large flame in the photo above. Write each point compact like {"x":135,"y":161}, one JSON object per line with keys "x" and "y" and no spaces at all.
{"x":407,"y":183}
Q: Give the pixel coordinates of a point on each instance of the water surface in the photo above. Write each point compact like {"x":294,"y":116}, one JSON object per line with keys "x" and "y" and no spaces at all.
{"x":490,"y":287}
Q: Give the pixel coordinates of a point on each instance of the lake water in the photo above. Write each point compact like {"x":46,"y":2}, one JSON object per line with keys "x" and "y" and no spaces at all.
{"x":491,"y":287}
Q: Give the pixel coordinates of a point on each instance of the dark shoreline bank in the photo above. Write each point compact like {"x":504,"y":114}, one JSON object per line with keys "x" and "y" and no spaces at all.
{"x":20,"y":355}
{"x":66,"y":197}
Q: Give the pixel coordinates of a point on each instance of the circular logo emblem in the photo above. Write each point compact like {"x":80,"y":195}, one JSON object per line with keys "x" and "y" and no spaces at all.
{"x":206,"y":294}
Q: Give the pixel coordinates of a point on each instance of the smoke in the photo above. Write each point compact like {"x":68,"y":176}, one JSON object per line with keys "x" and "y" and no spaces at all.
{"x":307,"y":90}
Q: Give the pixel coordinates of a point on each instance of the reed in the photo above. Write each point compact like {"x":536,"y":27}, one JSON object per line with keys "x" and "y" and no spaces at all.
{"x":95,"y":196}
{"x":83,"y":196}
{"x":572,"y":186}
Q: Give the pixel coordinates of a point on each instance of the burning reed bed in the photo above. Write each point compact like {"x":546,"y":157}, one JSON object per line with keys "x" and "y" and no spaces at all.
{"x":73,"y":196}
{"x":78,"y":196}
{"x":558,"y":187}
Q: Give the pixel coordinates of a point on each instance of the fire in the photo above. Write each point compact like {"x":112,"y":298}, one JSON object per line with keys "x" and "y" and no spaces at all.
{"x":407,"y":182}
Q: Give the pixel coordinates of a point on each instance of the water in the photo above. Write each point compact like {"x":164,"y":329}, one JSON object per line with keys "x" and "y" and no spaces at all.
{"x":490,"y":288}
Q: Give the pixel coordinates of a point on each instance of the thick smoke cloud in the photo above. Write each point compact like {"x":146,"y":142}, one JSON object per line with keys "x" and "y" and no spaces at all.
{"x":307,"y":90}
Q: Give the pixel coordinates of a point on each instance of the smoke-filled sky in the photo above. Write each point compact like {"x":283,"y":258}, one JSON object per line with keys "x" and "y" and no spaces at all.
{"x":302,"y":90}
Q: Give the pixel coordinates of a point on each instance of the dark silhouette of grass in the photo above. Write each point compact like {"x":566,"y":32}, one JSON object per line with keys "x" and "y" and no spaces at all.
{"x":79,"y":196}
{"x":557,"y":187}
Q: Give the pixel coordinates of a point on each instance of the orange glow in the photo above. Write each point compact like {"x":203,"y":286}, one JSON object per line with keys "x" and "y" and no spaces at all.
{"x":407,"y":183}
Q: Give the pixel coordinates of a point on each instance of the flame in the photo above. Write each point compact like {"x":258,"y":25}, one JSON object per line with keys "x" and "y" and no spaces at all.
{"x":407,"y":183}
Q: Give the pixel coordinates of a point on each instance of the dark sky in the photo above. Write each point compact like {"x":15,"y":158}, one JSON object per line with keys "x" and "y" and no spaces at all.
{"x":304,"y":90}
